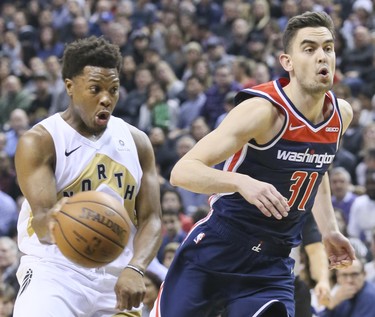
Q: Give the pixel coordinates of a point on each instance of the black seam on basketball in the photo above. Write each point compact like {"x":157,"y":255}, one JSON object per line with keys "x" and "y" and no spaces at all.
{"x":83,"y":255}
{"x":95,"y":202}
{"x":98,"y":232}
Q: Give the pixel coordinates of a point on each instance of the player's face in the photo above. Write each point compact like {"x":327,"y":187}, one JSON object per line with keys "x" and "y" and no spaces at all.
{"x":313,"y":59}
{"x":94,"y":96}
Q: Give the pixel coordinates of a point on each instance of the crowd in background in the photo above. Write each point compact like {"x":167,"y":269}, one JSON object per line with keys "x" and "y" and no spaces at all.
{"x":183,"y":62}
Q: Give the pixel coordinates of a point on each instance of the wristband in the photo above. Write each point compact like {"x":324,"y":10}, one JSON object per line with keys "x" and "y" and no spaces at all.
{"x":134,"y":268}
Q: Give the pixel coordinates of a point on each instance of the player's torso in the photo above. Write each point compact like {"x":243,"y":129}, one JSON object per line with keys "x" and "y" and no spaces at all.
{"x":294,"y":162}
{"x":111,"y":161}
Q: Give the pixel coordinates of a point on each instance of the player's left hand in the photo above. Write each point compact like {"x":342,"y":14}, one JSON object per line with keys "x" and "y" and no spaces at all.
{"x":130,"y":290}
{"x":339,"y":250}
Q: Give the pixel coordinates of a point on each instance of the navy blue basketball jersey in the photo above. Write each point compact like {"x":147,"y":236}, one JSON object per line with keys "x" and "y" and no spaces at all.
{"x":294,"y":161}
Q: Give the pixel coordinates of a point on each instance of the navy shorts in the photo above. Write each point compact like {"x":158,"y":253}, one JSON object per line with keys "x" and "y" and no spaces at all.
{"x":217,"y":270}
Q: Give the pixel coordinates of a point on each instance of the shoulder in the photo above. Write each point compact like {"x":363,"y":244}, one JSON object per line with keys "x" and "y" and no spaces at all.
{"x":346,"y":112}
{"x":142,"y":142}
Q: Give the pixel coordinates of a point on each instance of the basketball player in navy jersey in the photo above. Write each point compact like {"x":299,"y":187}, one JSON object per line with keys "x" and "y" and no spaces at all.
{"x":85,"y":148}
{"x":271,"y":155}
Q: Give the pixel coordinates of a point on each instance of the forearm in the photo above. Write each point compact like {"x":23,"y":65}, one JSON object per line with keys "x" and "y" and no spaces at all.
{"x":146,"y":243}
{"x":323,"y":210}
{"x":194,"y":176}
{"x":318,"y":262}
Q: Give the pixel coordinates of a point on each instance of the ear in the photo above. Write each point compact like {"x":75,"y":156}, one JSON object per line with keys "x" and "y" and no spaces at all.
{"x":286,"y":62}
{"x":69,"y":87}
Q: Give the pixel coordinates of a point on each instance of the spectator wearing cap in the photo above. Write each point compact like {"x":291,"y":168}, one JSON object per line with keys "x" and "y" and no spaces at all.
{"x":223,"y":83}
{"x":216,"y":53}
{"x":42,"y":98}
{"x":140,"y":41}
{"x":102,"y":25}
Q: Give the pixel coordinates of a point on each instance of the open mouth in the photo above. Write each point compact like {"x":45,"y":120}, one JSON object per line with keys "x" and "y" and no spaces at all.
{"x":102,"y":117}
{"x":323,"y":72}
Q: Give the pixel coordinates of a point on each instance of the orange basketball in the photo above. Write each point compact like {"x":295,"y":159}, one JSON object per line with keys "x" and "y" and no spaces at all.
{"x":92,"y":229}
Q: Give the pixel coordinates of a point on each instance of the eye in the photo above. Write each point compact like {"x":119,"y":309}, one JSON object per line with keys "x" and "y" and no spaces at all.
{"x":328,"y":49}
{"x":308,"y":50}
{"x":114,"y":90}
{"x":94,"y":89}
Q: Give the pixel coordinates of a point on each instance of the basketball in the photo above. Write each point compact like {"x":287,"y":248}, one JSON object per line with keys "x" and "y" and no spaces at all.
{"x":91,"y":229}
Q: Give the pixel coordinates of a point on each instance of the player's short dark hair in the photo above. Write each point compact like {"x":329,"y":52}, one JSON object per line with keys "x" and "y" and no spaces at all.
{"x":91,"y":51}
{"x":307,"y":19}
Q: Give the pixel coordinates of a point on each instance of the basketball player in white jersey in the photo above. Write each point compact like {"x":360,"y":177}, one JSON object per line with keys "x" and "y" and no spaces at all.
{"x":85,"y":148}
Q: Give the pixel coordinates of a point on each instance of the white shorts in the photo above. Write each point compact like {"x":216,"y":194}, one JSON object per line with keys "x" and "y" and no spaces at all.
{"x":53,"y":289}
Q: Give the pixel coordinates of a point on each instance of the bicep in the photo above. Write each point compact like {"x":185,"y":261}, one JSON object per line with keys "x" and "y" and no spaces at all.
{"x":247,"y":121}
{"x":34,"y":167}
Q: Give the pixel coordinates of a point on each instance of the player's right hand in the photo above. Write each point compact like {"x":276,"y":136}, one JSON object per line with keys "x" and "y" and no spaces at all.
{"x":266,"y":198}
{"x":51,"y":221}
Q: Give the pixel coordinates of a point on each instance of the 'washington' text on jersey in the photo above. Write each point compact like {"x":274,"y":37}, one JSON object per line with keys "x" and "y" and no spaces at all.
{"x":318,"y":159}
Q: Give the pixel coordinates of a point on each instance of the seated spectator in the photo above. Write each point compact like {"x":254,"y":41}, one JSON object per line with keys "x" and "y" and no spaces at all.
{"x":352,"y":296}
{"x":172,"y":231}
{"x":362,"y":213}
{"x":7,"y":299}
{"x":152,"y":283}
{"x":8,"y":214}
{"x":9,"y":261}
{"x":8,"y":179}
{"x":158,"y":110}
{"x":341,"y":191}
{"x":169,"y":252}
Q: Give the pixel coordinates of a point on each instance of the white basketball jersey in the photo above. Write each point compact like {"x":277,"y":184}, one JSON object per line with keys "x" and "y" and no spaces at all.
{"x":109,"y":164}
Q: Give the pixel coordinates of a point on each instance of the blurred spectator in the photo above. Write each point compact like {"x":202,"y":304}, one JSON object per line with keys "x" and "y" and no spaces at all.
{"x":368,"y":154}
{"x":152,"y":283}
{"x":169,"y":252}
{"x":228,"y":106}
{"x":7,"y":298}
{"x":341,"y":190}
{"x":209,"y":11}
{"x":370,"y":266}
{"x":172,"y":200}
{"x":140,"y":41}
{"x":60,"y":98}
{"x":362,"y":213}
{"x":224,"y":83}
{"x":352,"y":296}
{"x":199,"y":128}
{"x":118,"y":34}
{"x":12,"y":49}
{"x":127,"y":73}
{"x":129,"y":109}
{"x":216,"y":54}
{"x":9,"y":261}
{"x":13,"y":97}
{"x":60,"y":14}
{"x":18,"y":125}
{"x":202,"y":70}
{"x":243,"y":70}
{"x":158,"y":110}
{"x":174,"y":43}
{"x":9,"y":215}
{"x":355,"y":60}
{"x":190,"y":108}
{"x":231,"y":12}
{"x":289,"y":9}
{"x":164,"y":150}
{"x":42,"y":101}
{"x":77,"y":29}
{"x":238,"y":37}
{"x":193,"y":53}
{"x":49,"y":45}
{"x":8,"y":179}
{"x":166,"y":76}
{"x":172,"y":230}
